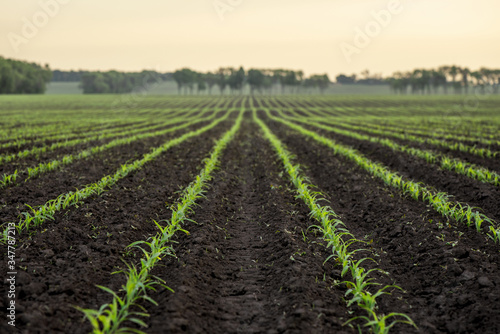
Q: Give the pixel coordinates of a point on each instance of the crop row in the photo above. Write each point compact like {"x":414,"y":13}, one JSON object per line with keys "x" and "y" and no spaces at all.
{"x":39,"y":214}
{"x":472,"y":126}
{"x":481,"y":152}
{"x":44,"y":167}
{"x":75,"y":133}
{"x":434,"y":131}
{"x":68,"y":143}
{"x":109,"y":318}
{"x":339,"y":239}
{"x":443,"y":161}
{"x":439,"y":201}
{"x":49,"y":125}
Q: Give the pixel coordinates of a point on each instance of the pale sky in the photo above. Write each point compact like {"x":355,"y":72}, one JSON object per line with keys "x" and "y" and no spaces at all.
{"x":165,"y":35}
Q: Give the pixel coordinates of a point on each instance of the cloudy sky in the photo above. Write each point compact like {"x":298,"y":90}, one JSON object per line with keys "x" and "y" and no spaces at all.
{"x":317,"y":36}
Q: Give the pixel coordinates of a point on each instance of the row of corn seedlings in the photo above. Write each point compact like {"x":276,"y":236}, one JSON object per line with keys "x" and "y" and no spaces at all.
{"x":435,"y":132}
{"x":5,"y":158}
{"x":110,"y":318}
{"x":339,"y":239}
{"x":462,"y":213}
{"x":39,"y":214}
{"x":90,"y":128}
{"x":481,"y":152}
{"x":80,"y":123}
{"x":87,"y":124}
{"x":416,"y":122}
{"x":74,"y":132}
{"x":477,"y":126}
{"x":444,"y":162}
{"x":44,"y":167}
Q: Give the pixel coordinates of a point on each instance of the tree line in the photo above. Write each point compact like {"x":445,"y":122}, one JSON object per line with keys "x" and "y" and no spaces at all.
{"x":444,"y":79}
{"x":232,"y":80}
{"x":453,"y":79}
{"x":20,"y":77}
{"x":67,"y":76}
{"x":114,"y":82}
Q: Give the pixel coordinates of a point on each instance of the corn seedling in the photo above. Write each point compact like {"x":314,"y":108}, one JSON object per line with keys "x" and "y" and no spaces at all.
{"x":110,"y":318}
{"x":329,"y":223}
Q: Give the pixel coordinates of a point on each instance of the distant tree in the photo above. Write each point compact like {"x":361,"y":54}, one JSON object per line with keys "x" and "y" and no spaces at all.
{"x":66,"y":76}
{"x":291,"y":80}
{"x":279,"y":77}
{"x":20,"y":77}
{"x":222,"y":78}
{"x":114,"y":82}
{"x":444,"y":71}
{"x":465,"y":79}
{"x":178,"y":78}
{"x":454,"y":70}
{"x":320,"y":81}
{"x":255,"y":80}
{"x":211,"y":80}
{"x":236,"y":79}
{"x":201,"y":86}
{"x":343,"y":79}
{"x":267,"y":84}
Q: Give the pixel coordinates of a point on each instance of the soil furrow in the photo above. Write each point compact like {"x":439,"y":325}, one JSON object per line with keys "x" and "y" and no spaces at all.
{"x":245,"y":267}
{"x":493,"y":163}
{"x":449,"y":273}
{"x":64,"y":261}
{"x":461,"y":187}
{"x":50,"y":185}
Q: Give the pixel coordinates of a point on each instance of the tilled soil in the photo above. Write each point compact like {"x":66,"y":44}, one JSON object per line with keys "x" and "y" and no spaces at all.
{"x":78,"y":174}
{"x":65,"y":260}
{"x":245,"y":267}
{"x":250,"y":264}
{"x":491,"y":163}
{"x":450,"y":273}
{"x":461,"y":187}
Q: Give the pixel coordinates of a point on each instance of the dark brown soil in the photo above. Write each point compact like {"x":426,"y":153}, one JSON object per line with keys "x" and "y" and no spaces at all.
{"x":449,"y":272}
{"x":250,"y":264}
{"x":245,"y":267}
{"x":50,"y":185}
{"x":491,"y":163}
{"x":66,"y":258}
{"x":461,"y":187}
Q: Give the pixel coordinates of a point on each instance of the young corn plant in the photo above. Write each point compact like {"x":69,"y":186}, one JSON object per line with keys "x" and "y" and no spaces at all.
{"x":110,"y":318}
{"x":439,"y":201}
{"x":46,"y":211}
{"x":334,"y":232}
{"x":44,"y":167}
{"x":444,"y":162}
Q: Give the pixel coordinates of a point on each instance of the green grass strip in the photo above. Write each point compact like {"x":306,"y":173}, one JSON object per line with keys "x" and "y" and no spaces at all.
{"x":462,"y":213}
{"x":334,"y":233}
{"x":110,"y":318}
{"x":46,"y":211}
